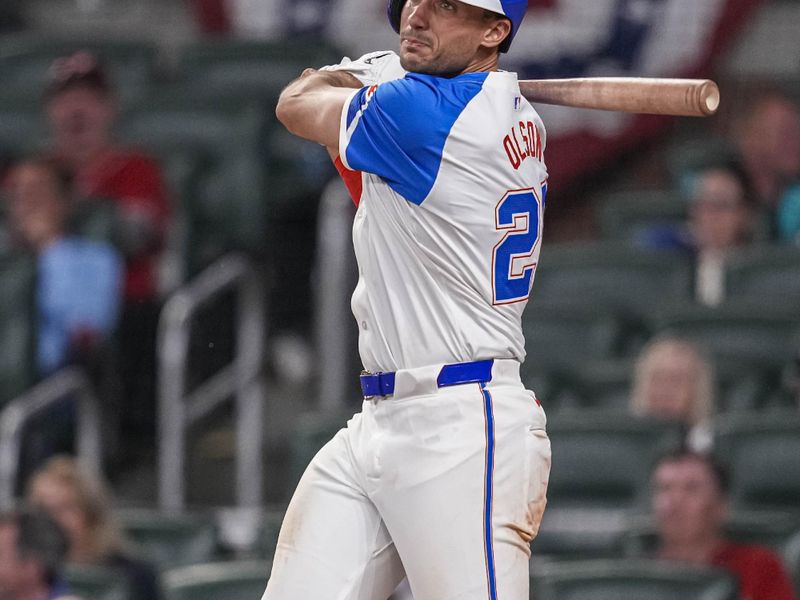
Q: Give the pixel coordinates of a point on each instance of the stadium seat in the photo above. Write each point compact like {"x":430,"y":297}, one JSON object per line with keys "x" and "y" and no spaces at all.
{"x":25,"y":61}
{"x":773,"y":528}
{"x":22,"y":129}
{"x":96,"y":583}
{"x":598,"y":384}
{"x":762,"y":451}
{"x":611,"y":277}
{"x":765,"y":274}
{"x":233,"y":580}
{"x":580,"y":534}
{"x":247,"y":68}
{"x":560,"y":334}
{"x":170,"y":540}
{"x":17,"y":366}
{"x":211,"y":154}
{"x":626,"y":216}
{"x":602,"y":459}
{"x":738,"y":335}
{"x":629,"y":580}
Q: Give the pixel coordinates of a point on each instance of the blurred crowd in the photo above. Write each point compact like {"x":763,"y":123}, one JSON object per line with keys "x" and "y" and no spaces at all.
{"x":95,"y":217}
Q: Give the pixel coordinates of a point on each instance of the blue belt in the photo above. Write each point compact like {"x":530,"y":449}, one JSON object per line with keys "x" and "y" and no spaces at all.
{"x":382,"y":384}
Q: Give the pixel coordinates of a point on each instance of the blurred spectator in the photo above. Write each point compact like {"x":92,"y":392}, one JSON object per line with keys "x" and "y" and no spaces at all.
{"x":674,"y":380}
{"x":78,"y":280}
{"x":721,"y":220}
{"x":81,"y":504}
{"x":32,"y":552}
{"x":77,"y":297}
{"x":690,"y":508}
{"x":767,"y":136}
{"x":81,"y":109}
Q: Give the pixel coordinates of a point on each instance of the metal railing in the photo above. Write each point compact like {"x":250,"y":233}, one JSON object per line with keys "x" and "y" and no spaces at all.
{"x":336,"y":276}
{"x":19,"y":412}
{"x":178,"y":408}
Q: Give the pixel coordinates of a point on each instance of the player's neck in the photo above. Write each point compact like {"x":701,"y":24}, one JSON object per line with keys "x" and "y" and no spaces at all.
{"x":483,"y":62}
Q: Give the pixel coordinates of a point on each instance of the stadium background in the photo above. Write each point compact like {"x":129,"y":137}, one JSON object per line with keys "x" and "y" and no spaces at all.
{"x":260,"y":215}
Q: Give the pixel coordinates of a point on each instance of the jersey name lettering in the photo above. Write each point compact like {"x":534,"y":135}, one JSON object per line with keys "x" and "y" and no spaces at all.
{"x":521,"y":142}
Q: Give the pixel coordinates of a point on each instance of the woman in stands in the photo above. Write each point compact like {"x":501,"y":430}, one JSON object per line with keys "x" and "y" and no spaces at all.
{"x":81,"y":504}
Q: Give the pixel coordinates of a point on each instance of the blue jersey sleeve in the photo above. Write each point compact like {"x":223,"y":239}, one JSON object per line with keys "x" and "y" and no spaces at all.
{"x":398,"y":129}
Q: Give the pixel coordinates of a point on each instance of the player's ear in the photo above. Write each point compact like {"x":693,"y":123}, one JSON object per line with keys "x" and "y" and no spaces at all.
{"x":497,"y":29}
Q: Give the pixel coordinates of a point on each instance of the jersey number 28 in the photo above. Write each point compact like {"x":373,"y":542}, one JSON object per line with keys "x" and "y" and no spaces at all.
{"x":513,"y":262}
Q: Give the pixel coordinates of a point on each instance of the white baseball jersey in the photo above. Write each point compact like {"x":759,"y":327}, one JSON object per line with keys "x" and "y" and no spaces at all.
{"x":447,"y":233}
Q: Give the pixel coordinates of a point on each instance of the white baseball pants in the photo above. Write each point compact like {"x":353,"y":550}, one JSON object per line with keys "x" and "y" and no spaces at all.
{"x":445,"y":486}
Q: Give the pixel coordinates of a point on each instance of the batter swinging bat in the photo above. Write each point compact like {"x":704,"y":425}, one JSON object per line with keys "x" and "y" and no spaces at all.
{"x":678,"y":97}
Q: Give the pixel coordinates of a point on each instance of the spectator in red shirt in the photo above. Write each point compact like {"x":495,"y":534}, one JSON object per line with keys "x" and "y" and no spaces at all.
{"x":690,"y":508}
{"x":81,"y":110}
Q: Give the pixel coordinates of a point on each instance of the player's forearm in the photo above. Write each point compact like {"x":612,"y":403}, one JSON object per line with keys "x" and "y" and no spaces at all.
{"x":310,"y":107}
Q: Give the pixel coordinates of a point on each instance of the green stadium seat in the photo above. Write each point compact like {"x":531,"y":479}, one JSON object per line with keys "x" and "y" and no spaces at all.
{"x":741,"y":335}
{"x":602,"y":459}
{"x":765,"y":274}
{"x":598,"y":384}
{"x":580,"y":534}
{"x":772,"y":528}
{"x":212,"y":155}
{"x":170,"y":540}
{"x":233,"y":580}
{"x":762,"y":451}
{"x":96,"y":583}
{"x":560,"y":334}
{"x":17,"y":318}
{"x":25,"y":61}
{"x":630,"y":580}
{"x":247,"y":68}
{"x":22,"y":129}
{"x":627,"y":215}
{"x":611,"y":277}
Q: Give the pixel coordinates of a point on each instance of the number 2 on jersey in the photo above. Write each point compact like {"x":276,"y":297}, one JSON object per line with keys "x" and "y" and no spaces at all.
{"x":513,"y":263}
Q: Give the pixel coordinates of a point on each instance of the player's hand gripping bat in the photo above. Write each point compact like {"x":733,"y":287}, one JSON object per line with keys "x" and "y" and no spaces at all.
{"x":678,"y":97}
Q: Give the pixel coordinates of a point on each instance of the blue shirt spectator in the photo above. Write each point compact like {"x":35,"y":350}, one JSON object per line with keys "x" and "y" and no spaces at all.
{"x":78,"y":297}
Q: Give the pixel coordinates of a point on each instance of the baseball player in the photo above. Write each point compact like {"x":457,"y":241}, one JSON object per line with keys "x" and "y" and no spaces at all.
{"x":441,"y":478}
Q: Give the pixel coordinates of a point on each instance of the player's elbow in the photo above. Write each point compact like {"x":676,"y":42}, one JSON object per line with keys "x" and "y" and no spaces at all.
{"x":287,"y":111}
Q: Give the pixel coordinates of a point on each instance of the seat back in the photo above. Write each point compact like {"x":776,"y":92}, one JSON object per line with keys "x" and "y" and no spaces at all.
{"x":17,"y":325}
{"x":96,"y":583}
{"x":630,"y":580}
{"x":762,"y":452}
{"x":604,"y":459}
{"x":25,"y":62}
{"x":233,"y":580}
{"x":767,"y":274}
{"x":611,"y":277}
{"x":170,"y":540}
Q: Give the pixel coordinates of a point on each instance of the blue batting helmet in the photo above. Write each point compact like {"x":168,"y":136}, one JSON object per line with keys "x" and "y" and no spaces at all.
{"x":513,"y":10}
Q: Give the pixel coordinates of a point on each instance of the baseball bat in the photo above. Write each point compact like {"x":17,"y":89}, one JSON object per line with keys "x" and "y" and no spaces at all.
{"x":650,"y":95}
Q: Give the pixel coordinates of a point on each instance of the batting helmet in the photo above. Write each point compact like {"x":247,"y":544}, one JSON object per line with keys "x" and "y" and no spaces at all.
{"x":513,"y":10}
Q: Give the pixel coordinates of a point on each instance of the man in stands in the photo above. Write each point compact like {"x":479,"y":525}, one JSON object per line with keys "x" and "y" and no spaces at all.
{"x":690,"y":508}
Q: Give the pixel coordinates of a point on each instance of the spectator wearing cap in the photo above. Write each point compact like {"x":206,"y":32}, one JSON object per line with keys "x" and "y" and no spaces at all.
{"x":689,"y":501}
{"x":81,"y":109}
{"x":32,"y":552}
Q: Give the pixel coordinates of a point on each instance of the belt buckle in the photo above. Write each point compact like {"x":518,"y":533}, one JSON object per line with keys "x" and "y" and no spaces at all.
{"x":365,"y":373}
